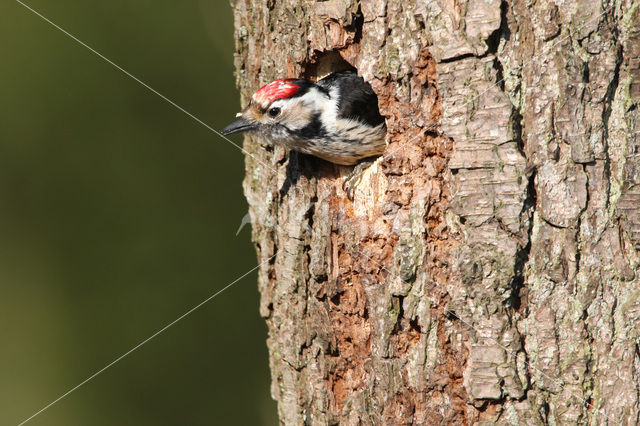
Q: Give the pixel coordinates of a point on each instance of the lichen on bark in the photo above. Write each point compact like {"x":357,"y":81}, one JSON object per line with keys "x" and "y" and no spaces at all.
{"x":487,"y":269}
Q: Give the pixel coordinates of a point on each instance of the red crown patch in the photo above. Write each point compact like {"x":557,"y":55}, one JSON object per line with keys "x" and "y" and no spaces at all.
{"x":277,"y":89}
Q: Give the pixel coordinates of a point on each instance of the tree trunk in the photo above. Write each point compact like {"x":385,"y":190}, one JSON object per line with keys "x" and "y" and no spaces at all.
{"x":488,"y":268}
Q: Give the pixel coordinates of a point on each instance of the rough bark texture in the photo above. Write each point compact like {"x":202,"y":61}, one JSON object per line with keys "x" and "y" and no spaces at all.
{"x":486,"y":271}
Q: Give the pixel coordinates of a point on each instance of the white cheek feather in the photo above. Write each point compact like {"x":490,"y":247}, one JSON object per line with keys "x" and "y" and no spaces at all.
{"x":330,"y":109}
{"x":326,"y":105}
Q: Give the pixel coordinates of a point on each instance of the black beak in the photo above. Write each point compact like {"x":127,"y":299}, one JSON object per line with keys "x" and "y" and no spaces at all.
{"x":238,"y":126}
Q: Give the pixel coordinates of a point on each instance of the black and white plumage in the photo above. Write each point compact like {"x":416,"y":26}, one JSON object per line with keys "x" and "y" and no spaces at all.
{"x":336,"y":119}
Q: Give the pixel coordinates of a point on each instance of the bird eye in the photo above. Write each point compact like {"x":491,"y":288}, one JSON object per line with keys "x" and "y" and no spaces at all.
{"x":273,"y":112}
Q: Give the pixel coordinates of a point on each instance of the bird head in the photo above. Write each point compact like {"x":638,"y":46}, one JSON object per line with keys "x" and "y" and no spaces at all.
{"x":275,"y":109}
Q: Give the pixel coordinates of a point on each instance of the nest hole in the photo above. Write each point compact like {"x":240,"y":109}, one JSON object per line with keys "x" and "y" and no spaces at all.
{"x":325,"y":63}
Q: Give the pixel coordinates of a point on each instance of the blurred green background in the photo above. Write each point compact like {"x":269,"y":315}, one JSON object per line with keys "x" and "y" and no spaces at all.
{"x":118,"y":213}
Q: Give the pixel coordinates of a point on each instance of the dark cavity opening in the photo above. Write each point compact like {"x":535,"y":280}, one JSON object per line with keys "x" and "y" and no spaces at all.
{"x":325,"y":63}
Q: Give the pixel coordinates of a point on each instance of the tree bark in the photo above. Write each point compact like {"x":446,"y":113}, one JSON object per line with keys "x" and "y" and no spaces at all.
{"x":487,"y":270}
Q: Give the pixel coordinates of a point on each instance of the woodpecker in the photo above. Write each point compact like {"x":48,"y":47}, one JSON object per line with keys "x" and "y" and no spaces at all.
{"x":336,"y":119}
